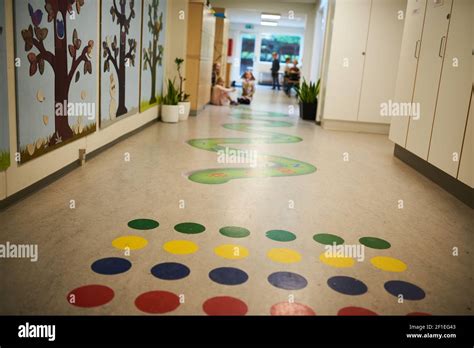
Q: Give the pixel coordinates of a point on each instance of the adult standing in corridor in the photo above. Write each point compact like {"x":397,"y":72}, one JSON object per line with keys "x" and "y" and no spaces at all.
{"x":276,"y":71}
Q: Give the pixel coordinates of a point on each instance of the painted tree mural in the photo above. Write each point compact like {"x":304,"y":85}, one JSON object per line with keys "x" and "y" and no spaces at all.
{"x":58,"y":11}
{"x":4,"y":129}
{"x":153,"y":56}
{"x":116,"y":53}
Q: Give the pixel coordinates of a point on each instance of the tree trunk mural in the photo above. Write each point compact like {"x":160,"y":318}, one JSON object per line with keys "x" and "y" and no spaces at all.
{"x":34,"y":36}
{"x":116,"y":53}
{"x":154,"y":54}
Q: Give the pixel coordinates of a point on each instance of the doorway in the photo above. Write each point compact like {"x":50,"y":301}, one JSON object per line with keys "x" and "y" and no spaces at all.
{"x":247,"y":55}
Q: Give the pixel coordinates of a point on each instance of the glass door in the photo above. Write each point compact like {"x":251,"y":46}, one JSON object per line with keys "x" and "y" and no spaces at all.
{"x":247,"y":54}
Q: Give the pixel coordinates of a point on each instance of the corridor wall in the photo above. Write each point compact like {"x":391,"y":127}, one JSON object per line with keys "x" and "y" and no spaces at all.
{"x":200,"y":54}
{"x":20,"y":176}
{"x":436,"y":75}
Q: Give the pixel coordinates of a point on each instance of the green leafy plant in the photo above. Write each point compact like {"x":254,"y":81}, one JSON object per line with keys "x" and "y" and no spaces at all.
{"x":183,"y":97}
{"x":308,"y":93}
{"x":172,"y":97}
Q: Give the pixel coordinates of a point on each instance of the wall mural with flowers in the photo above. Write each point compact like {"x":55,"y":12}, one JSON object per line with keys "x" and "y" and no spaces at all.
{"x":56,"y":82}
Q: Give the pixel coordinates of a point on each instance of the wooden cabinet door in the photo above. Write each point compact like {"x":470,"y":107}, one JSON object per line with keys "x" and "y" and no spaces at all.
{"x":454,"y":91}
{"x":466,"y":168}
{"x":346,"y":61}
{"x":433,"y":44}
{"x":381,"y":60}
{"x":408,"y":64}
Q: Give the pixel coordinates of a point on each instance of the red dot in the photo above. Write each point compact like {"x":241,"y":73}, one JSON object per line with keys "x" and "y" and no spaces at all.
{"x":224,"y":305}
{"x":90,"y":296}
{"x":357,"y":311}
{"x":286,"y":308}
{"x":418,"y":314}
{"x":157,"y":302}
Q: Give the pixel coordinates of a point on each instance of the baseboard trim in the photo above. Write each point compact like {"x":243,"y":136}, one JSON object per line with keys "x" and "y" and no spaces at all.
{"x":358,"y":127}
{"x":39,"y":185}
{"x":458,"y":189}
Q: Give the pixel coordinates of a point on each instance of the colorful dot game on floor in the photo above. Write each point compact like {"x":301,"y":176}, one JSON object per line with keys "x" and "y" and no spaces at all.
{"x":161,"y":301}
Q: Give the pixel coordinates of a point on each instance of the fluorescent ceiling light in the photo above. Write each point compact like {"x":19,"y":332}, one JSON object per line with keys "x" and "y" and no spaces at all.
{"x":269,"y":24}
{"x":270,"y":16}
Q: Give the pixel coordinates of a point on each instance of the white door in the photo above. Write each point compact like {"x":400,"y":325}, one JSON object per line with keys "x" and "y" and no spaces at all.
{"x":433,"y":44}
{"x":454,"y":92}
{"x":381,"y":60}
{"x":346,"y":61}
{"x":408,"y":64}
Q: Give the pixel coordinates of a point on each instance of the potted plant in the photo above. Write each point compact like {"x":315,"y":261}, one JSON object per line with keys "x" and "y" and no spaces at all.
{"x":308,"y":98}
{"x":169,"y":104}
{"x":184,"y":103}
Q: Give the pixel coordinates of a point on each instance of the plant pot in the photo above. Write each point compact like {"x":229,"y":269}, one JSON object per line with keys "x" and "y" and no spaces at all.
{"x":308,"y":110}
{"x":170,"y":113}
{"x":184,"y":110}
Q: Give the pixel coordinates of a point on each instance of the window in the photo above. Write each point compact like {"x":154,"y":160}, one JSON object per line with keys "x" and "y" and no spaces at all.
{"x":286,"y":46}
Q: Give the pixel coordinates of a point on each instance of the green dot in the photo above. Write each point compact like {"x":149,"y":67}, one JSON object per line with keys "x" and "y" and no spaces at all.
{"x":234,"y":232}
{"x":190,"y":228}
{"x":143,"y":224}
{"x":328,"y":239}
{"x":374,"y":243}
{"x":281,"y":235}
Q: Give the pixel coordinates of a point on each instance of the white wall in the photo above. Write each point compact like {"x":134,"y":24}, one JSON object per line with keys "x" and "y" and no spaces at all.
{"x":237,"y":29}
{"x":18,"y":177}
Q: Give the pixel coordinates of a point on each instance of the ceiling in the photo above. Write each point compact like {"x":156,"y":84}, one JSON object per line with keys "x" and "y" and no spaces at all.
{"x":238,"y":15}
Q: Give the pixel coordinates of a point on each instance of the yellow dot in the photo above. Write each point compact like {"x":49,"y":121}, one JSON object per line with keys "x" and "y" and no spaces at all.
{"x":283,"y":255}
{"x":388,"y":264}
{"x":231,"y":251}
{"x":130,"y":242}
{"x":337,"y":261}
{"x":180,"y":247}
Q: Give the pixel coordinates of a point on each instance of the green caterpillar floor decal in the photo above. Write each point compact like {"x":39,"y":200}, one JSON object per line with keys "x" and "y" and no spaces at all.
{"x":268,"y":165}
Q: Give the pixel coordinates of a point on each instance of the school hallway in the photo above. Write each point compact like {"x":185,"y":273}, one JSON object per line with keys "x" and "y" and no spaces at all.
{"x":203,"y":267}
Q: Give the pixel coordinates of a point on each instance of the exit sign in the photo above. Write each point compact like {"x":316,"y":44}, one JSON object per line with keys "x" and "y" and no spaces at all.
{"x":249,"y":26}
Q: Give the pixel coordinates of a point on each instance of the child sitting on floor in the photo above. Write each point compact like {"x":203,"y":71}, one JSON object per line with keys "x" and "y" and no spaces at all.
{"x":220,"y":94}
{"x":248,"y":88}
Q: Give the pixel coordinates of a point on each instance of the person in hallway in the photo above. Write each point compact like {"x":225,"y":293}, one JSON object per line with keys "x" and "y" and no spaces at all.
{"x":216,"y":73}
{"x":220,"y":94}
{"x":293,"y":78}
{"x":248,"y":88}
{"x":276,"y":71}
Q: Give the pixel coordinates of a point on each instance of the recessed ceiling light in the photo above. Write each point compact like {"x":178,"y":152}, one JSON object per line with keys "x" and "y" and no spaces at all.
{"x":270,"y":16}
{"x":269,"y":24}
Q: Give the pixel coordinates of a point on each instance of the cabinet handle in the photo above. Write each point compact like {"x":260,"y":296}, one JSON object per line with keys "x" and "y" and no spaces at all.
{"x":416,"y":48}
{"x":441,"y":45}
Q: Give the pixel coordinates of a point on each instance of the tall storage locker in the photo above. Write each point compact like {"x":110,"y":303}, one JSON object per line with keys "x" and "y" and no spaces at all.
{"x":454,"y":92}
{"x":349,"y":39}
{"x":466,"y":167}
{"x":408,"y":64}
{"x":428,"y":75}
{"x":383,"y":52}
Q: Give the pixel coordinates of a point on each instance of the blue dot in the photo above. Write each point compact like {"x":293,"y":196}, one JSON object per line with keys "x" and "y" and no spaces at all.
{"x":287,"y":280}
{"x":111,"y":266}
{"x":347,"y":285}
{"x":228,"y":276}
{"x":170,"y":271}
{"x":407,"y":290}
